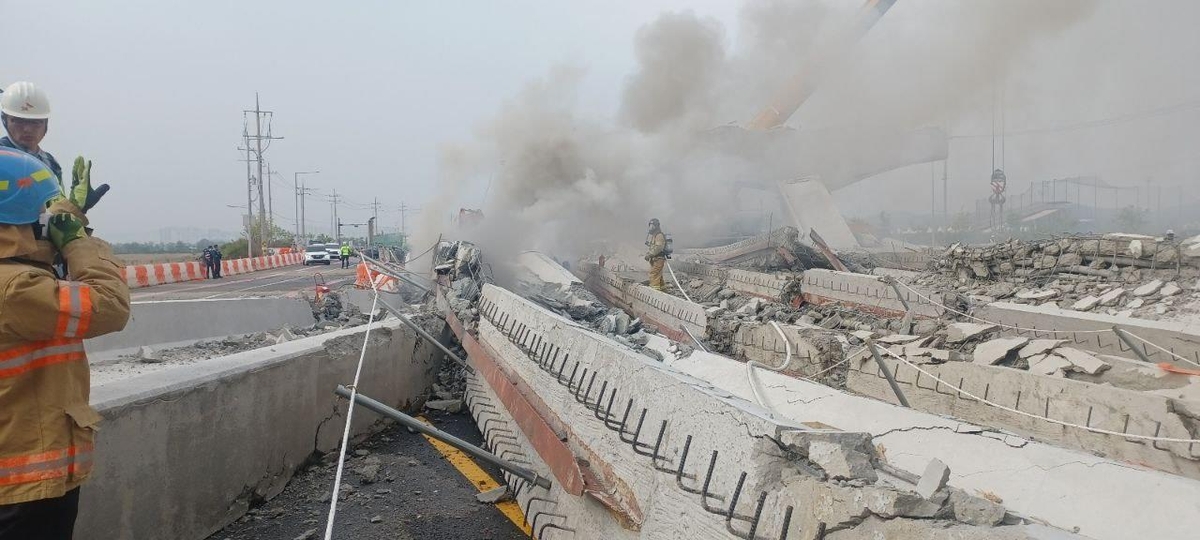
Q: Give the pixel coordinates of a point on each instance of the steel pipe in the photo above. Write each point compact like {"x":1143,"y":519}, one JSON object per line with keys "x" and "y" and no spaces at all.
{"x":419,"y":426}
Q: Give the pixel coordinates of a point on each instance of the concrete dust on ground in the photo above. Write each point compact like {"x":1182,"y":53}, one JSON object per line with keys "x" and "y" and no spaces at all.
{"x":331,"y":314}
{"x":395,"y":486}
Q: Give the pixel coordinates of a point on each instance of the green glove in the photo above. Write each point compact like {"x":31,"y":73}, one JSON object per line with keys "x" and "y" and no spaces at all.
{"x":64,"y":229}
{"x":82,"y":194}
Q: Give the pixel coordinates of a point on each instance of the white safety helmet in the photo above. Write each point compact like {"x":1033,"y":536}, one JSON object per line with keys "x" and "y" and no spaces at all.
{"x":24,"y":100}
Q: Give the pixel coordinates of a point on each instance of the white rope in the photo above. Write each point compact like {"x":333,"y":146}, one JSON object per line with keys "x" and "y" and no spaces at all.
{"x":676,"y":280}
{"x":752,"y":377}
{"x":337,"y":479}
{"x":1002,"y":325}
{"x":1045,"y":418}
{"x":1144,"y":340}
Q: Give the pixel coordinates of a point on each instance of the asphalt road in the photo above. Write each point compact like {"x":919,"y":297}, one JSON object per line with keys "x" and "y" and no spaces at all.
{"x":288,"y":281}
{"x":396,"y":487}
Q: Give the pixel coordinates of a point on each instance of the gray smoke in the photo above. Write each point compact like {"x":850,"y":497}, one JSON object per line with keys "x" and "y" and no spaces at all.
{"x":672,"y":151}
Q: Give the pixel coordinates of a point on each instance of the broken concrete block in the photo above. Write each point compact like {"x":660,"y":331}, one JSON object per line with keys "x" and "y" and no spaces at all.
{"x":447,"y":405}
{"x":940,"y":355}
{"x":368,"y":469}
{"x":863,"y":334}
{"x":1125,"y":313}
{"x":935,"y":477}
{"x":148,"y":355}
{"x":1040,"y":346}
{"x":897,"y":339}
{"x":494,"y":495}
{"x":1112,"y":297}
{"x":1086,"y":303}
{"x":1149,"y":288}
{"x":960,"y":332}
{"x":975,"y":510}
{"x":1161,"y":309}
{"x":840,"y":461}
{"x":1048,"y":364}
{"x":1170,"y":289}
{"x":726,"y":294}
{"x":1082,"y":361}
{"x":1135,"y":303}
{"x":1044,"y":294}
{"x":285,"y":336}
{"x":993,"y":352}
{"x":751,"y":308}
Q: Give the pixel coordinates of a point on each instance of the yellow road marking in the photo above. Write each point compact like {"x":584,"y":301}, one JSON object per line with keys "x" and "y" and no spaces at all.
{"x":479,"y":478}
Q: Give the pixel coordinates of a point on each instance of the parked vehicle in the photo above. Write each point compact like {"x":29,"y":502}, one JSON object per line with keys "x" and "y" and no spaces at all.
{"x":316,"y":254}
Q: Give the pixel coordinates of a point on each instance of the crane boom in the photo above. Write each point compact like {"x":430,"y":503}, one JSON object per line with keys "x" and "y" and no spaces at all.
{"x":797,"y":89}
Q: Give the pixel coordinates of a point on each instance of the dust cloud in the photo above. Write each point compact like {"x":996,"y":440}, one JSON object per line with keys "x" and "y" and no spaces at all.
{"x":673,"y":149}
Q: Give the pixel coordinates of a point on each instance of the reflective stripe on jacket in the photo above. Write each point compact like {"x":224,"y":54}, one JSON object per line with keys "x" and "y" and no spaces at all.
{"x":46,"y":424}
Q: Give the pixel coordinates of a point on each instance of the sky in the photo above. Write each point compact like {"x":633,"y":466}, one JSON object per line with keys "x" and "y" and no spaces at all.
{"x":372,"y":93}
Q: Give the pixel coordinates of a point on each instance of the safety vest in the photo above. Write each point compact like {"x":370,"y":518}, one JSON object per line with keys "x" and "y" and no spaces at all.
{"x":46,"y":424}
{"x":345,"y":251}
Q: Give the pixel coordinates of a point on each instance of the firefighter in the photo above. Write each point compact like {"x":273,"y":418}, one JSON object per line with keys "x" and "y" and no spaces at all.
{"x":657,"y":256}
{"x":46,"y":424}
{"x":25,"y":112}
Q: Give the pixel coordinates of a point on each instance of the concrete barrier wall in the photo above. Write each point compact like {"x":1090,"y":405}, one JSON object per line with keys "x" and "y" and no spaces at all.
{"x":1082,"y":403}
{"x":864,"y":292}
{"x":171,"y":321}
{"x":1080,"y":328}
{"x":149,"y":275}
{"x":182,"y":452}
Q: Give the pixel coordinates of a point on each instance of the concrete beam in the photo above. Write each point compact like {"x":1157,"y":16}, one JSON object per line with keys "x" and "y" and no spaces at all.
{"x":1036,"y":480}
{"x":1080,"y":328}
{"x":760,"y":284}
{"x":668,"y":313}
{"x":637,"y":446}
{"x":748,"y":248}
{"x":865,"y":293}
{"x":1077,"y":402}
{"x":172,"y":321}
{"x":185,"y":451}
{"x":546,"y":269}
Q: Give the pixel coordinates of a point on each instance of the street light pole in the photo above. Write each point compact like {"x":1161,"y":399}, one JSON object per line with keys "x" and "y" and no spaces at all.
{"x":300,"y":204}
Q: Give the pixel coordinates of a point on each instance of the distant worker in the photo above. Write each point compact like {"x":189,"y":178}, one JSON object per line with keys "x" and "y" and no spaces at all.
{"x":657,"y":255}
{"x":216,"y":261}
{"x":47,"y":427}
{"x":206,"y":257}
{"x":345,"y":255}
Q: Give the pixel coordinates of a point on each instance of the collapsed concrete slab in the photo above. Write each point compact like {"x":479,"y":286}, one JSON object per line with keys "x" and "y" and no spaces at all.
{"x":1092,"y":331}
{"x":1033,"y":479}
{"x":866,"y":293}
{"x":1044,"y":397}
{"x":682,"y":457}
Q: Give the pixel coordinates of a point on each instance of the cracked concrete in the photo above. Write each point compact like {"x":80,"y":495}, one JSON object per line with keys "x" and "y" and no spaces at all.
{"x":738,"y":436}
{"x":233,"y":429}
{"x":1036,"y":480}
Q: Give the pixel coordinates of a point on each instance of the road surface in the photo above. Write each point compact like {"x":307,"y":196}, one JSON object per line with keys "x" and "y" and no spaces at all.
{"x":279,"y":282}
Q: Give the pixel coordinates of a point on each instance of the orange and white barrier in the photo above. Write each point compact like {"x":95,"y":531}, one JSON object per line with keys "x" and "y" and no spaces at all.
{"x":149,"y":275}
{"x":383,"y":283}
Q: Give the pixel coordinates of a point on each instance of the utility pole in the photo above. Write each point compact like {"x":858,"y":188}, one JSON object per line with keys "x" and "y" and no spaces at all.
{"x":337,"y":229}
{"x":249,"y":217}
{"x":299,"y":195}
{"x":404,"y":210}
{"x":270,"y":200}
{"x":259,"y":137}
{"x":371,"y":230}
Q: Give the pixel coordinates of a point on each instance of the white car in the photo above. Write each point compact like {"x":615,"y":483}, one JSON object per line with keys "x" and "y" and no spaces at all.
{"x":316,"y":255}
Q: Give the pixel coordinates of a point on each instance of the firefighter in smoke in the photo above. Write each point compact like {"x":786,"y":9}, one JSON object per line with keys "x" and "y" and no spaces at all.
{"x":656,"y":241}
{"x":46,"y":424}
